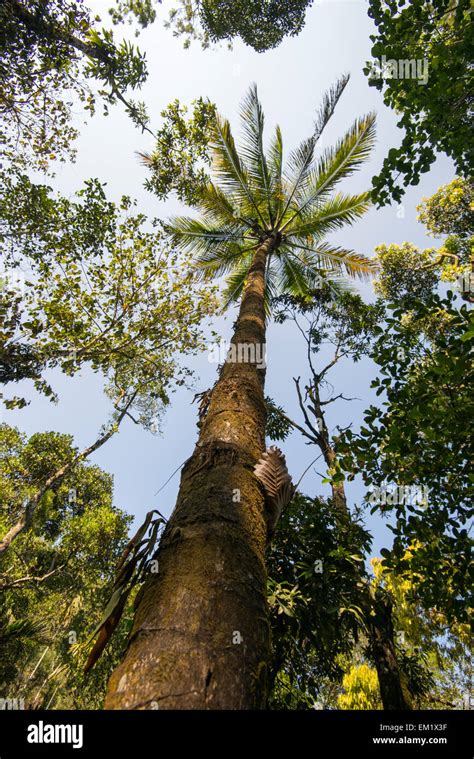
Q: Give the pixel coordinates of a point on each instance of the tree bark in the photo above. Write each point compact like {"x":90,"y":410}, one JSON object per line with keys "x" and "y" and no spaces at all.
{"x":393,"y":691}
{"x":200,"y":638}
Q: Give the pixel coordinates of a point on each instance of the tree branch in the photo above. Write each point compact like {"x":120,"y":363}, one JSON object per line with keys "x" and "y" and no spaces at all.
{"x":30,"y":578}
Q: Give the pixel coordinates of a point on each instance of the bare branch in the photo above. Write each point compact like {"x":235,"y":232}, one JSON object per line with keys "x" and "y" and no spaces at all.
{"x":29,"y":578}
{"x":315,"y":432}
{"x":337,"y":397}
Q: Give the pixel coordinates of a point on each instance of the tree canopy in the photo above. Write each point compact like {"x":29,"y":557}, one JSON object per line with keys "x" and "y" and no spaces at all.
{"x":414,"y":450}
{"x":435,"y":110}
{"x":51,"y":55}
{"x":255,"y":197}
{"x":261,"y":24}
{"x":89,"y":282}
{"x":56,"y":581}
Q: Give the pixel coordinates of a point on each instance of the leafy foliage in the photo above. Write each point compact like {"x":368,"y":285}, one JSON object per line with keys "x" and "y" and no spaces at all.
{"x":278,"y":427}
{"x":404,"y":443}
{"x":356,"y":329}
{"x":450,"y":211}
{"x":316,"y":598}
{"x":58,"y":575}
{"x":179,"y":160}
{"x":404,"y":270}
{"x":436,"y":114}
{"x":50,"y":52}
{"x":97,"y":286}
{"x":418,"y":438}
{"x":261,"y":24}
{"x":361,"y":690}
{"x":435,"y":655}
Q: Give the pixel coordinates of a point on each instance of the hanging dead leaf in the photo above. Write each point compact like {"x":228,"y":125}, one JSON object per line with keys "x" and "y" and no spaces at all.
{"x":272,"y":472}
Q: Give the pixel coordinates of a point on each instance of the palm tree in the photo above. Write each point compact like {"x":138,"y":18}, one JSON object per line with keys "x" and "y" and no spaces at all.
{"x":200,"y":638}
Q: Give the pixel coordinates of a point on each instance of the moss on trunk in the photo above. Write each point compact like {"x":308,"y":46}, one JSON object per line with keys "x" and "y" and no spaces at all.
{"x":200,"y":638}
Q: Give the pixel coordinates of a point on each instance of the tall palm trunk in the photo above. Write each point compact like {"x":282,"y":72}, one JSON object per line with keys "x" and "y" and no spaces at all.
{"x":200,"y":638}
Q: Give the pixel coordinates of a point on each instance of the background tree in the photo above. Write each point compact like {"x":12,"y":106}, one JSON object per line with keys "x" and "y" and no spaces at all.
{"x":449,"y":213}
{"x":345,"y":323}
{"x":96,"y":283}
{"x":436,"y":115}
{"x":88,"y":284}
{"x":265,"y":225}
{"x":322,"y":653}
{"x":315,"y":597}
{"x":417,"y":438}
{"x":259,"y":23}
{"x":435,"y":654}
{"x":52,"y":53}
{"x":179,"y":162}
{"x":57,"y":577}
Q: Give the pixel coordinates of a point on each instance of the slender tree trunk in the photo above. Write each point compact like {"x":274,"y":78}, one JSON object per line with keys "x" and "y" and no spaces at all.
{"x":200,"y":638}
{"x":393,"y":691}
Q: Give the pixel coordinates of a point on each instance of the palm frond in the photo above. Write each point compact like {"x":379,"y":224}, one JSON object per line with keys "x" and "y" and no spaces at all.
{"x":275,"y":164}
{"x":330,"y":215}
{"x":294,"y":279}
{"x":236,"y":281}
{"x":229,"y":168}
{"x":334,"y":259}
{"x":24,"y":629}
{"x":330,"y":101}
{"x":216,"y":206}
{"x":271,"y":288}
{"x":253,"y":194}
{"x":336,"y":164}
{"x":253,"y":122}
{"x":275,"y":154}
{"x":196,"y":236}
{"x":221,"y":260}
{"x":298,"y":169}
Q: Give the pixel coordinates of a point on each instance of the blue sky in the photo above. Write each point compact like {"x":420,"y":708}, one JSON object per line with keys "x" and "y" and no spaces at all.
{"x":291,"y":81}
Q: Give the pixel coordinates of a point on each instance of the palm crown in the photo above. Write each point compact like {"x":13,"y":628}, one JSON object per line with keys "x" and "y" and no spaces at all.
{"x":255,"y":197}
